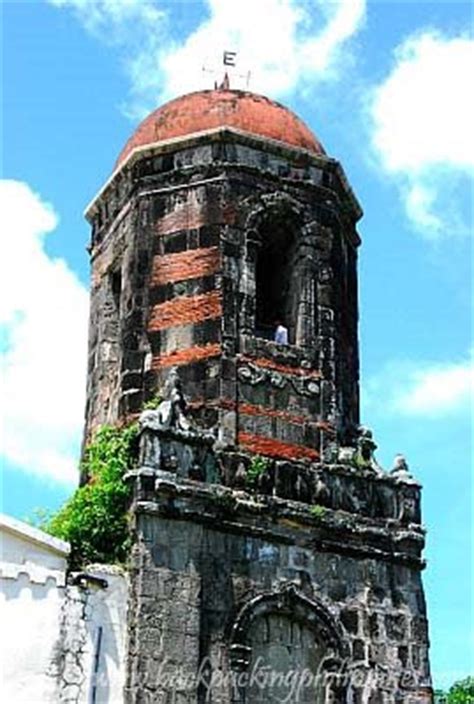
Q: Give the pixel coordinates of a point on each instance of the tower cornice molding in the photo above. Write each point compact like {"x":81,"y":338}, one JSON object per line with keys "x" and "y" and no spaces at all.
{"x":226,"y":134}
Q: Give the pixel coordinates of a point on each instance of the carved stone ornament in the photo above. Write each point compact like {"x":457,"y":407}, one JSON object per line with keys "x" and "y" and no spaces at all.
{"x":169,"y":443}
{"x":359,"y":456}
{"x":366,"y":447}
{"x":250,"y":374}
{"x":171,"y":411}
{"x":400,"y":469}
{"x":254,"y":375}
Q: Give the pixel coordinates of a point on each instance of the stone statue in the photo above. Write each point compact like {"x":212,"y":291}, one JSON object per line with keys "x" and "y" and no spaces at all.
{"x":362,"y":455}
{"x":366,"y":447}
{"x":240,"y":477}
{"x":169,"y":443}
{"x":172,"y":409}
{"x":400,"y":468}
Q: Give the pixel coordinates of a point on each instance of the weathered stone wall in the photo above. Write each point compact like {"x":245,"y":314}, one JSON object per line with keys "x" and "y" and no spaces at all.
{"x":219,"y":580}
{"x":175,"y":250}
{"x":117,"y":349}
{"x":310,"y":559}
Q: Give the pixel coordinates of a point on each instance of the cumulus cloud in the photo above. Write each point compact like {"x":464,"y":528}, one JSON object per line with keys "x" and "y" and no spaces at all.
{"x":428,"y":390}
{"x":109,"y":19}
{"x":43,"y":320}
{"x":286,"y":44}
{"x":422,"y":116}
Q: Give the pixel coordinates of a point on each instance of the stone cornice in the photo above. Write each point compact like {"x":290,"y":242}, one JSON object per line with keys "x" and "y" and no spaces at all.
{"x":279,"y":520}
{"x":225,"y":134}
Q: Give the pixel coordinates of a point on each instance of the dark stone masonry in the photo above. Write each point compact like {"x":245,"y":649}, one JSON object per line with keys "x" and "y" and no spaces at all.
{"x":273,"y":559}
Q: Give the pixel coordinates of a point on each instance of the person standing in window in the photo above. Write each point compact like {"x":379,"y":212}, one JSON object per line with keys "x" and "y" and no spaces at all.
{"x":281,"y":333}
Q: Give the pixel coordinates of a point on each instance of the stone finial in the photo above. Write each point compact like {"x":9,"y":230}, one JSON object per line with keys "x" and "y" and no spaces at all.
{"x":171,"y":413}
{"x":365,"y":452}
{"x":240,"y":477}
{"x":168,"y":442}
{"x":400,"y":468}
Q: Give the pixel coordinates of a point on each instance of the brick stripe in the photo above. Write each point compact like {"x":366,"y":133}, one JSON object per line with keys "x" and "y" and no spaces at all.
{"x":185,"y":310}
{"x":256,"y":410}
{"x":250,"y":410}
{"x":184,"y":265}
{"x":187,"y":356}
{"x":187,"y":217}
{"x":276,"y":448}
{"x":191,"y":215}
{"x":327,"y":427}
{"x":283,"y":368}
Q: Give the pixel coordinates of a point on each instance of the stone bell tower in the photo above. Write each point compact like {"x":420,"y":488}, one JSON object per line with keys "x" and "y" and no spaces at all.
{"x":267,"y":540}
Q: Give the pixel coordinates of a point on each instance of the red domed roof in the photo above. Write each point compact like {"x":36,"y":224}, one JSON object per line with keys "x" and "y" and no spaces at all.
{"x":210,"y":109}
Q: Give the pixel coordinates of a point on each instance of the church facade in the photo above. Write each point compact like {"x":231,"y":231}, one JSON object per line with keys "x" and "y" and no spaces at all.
{"x":273,"y":559}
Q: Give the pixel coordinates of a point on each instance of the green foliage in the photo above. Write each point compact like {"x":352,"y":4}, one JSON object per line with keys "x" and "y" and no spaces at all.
{"x":257,"y":467}
{"x":461,"y":692}
{"x":153,"y":403}
{"x":317,"y":511}
{"x":94,"y":520}
{"x":40,"y":518}
{"x":225,"y":502}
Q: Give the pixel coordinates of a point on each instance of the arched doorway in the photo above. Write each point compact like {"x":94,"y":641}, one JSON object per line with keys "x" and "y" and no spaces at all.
{"x":287,"y":648}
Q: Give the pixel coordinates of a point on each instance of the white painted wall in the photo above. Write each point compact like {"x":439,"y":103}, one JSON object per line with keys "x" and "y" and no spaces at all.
{"x":59,"y":643}
{"x":95,"y":624}
{"x":32,"y":581}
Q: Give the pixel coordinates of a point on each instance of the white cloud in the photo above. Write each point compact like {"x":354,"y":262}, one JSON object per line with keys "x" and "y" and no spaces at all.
{"x":43,"y":319}
{"x":438,"y":389}
{"x":428,"y":390}
{"x":287,"y":44}
{"x":108,"y":19}
{"x":422,"y":116}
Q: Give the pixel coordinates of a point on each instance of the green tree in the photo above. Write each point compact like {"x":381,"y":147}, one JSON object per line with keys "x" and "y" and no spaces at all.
{"x":462,"y":692}
{"x":95,"y":519}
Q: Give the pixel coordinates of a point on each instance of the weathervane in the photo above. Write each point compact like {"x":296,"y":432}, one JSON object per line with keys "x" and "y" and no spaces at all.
{"x":229,"y":59}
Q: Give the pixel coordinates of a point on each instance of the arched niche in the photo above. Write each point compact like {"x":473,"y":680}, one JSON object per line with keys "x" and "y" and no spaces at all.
{"x":279,"y":277}
{"x":287,"y":647}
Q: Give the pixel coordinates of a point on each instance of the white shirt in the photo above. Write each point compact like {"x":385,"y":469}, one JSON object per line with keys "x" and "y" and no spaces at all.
{"x":281,"y":335}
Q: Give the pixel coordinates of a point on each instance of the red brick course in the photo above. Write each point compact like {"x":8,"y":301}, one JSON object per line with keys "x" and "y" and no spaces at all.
{"x":191,"y":216}
{"x":187,"y":356}
{"x":249,"y":409}
{"x":276,"y":448}
{"x":185,"y":265}
{"x":185,"y":310}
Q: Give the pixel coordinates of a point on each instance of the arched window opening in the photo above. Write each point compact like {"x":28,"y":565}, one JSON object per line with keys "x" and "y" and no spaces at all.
{"x":275,"y":286}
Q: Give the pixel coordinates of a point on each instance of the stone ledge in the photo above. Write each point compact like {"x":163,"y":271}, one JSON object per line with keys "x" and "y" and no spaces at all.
{"x":280,"y":520}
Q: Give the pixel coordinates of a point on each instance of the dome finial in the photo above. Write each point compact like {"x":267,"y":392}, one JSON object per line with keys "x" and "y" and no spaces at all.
{"x":225,"y":85}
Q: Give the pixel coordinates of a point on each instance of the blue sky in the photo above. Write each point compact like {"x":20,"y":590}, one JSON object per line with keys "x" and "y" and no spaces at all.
{"x":385,"y":87}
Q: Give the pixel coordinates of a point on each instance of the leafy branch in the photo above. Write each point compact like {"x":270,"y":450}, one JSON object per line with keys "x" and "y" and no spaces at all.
{"x":95,"y":520}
